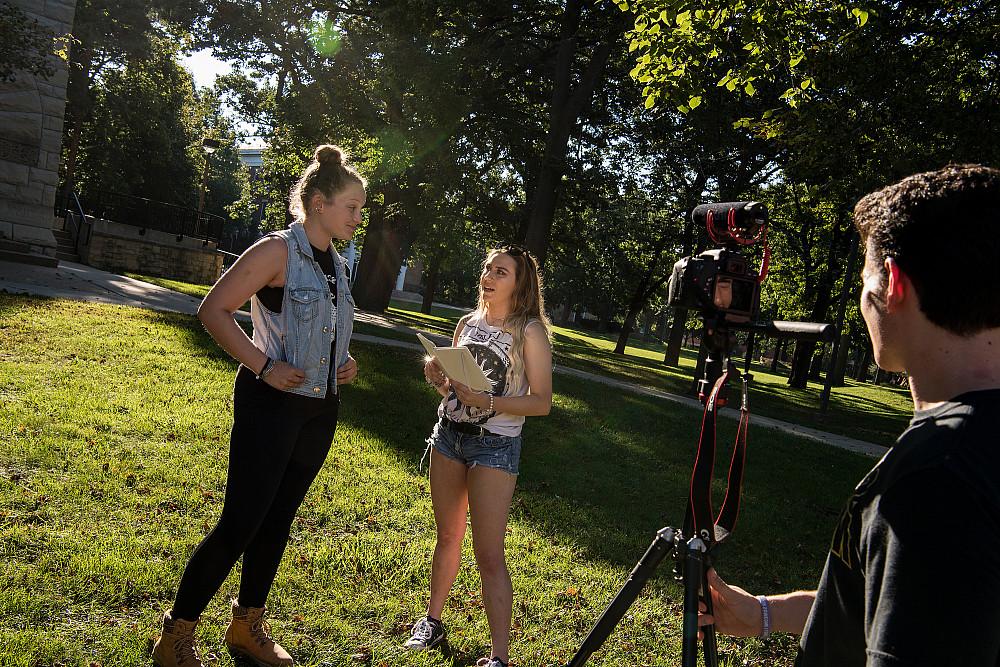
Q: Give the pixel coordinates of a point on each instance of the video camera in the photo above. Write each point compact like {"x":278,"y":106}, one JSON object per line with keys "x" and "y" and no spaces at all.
{"x":720,"y":282}
{"x":724,"y":287}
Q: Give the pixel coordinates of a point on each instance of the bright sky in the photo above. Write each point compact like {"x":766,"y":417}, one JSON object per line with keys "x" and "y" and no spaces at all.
{"x":204,"y":67}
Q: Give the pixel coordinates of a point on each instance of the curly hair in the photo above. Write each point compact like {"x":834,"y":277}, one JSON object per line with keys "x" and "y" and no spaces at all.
{"x":943,"y":229}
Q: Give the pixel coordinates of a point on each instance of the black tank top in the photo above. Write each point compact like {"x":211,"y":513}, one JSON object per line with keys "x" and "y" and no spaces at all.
{"x":271,"y":297}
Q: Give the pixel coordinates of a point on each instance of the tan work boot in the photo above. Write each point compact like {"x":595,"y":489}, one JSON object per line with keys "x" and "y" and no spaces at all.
{"x":175,"y":646}
{"x":249,"y":636}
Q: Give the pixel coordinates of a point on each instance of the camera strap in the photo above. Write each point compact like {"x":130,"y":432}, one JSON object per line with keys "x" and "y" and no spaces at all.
{"x":698,"y":520}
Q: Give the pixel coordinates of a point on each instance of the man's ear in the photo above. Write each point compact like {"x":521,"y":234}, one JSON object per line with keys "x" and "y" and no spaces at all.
{"x":898,"y":288}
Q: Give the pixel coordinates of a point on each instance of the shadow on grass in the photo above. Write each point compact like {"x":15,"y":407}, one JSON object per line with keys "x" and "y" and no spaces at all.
{"x":607,"y":469}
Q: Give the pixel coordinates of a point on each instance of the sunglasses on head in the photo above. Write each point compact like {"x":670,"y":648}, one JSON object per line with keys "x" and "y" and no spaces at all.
{"x":514,"y":250}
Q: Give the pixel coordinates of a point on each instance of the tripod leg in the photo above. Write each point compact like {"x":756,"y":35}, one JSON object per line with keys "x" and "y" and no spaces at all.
{"x":694,"y":575}
{"x":662,"y":545}
{"x":709,"y":645}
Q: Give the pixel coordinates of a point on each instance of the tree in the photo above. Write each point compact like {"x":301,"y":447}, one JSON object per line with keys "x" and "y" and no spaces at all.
{"x":568,"y":102}
{"x":683,"y":51}
{"x":142,"y":138}
{"x":24,"y":45}
{"x":110,"y":33}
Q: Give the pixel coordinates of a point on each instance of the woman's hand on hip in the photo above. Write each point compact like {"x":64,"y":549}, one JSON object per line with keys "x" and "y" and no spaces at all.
{"x":347,"y":372}
{"x":285,"y":376}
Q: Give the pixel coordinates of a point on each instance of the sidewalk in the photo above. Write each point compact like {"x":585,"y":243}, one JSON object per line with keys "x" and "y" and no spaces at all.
{"x":85,"y":283}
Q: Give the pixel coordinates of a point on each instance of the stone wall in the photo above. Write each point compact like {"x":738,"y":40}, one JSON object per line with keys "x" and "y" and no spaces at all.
{"x":31,"y":125}
{"x":121,"y":248}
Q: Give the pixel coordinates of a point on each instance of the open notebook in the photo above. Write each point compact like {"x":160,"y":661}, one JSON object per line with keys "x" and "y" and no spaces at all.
{"x":458,"y":364}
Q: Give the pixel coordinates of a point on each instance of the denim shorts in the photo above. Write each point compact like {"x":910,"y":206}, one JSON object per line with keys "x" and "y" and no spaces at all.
{"x":502,"y":452}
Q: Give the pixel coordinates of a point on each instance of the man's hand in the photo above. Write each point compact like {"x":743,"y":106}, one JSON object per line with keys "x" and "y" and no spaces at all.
{"x":734,"y":611}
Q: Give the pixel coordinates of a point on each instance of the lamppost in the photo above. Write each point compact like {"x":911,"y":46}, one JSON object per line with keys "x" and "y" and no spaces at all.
{"x":209,"y":146}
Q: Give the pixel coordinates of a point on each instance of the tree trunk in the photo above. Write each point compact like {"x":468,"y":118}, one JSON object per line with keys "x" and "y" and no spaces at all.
{"x":779,"y":351}
{"x":565,"y":108}
{"x":840,"y":364}
{"x":672,"y":356}
{"x":861,"y":372}
{"x":816,"y":366}
{"x":381,"y":257}
{"x":798,"y":377}
{"x":562,"y":319}
{"x":430,"y":283}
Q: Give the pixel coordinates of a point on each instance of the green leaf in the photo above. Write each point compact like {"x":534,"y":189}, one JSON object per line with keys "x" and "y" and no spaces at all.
{"x":750,"y":90}
{"x":795,"y":60}
{"x":694,"y":101}
{"x":650,"y":101}
{"x":805,"y":84}
{"x":862,"y":17}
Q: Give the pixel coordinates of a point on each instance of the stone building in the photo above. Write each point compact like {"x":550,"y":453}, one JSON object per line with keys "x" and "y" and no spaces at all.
{"x":31,"y":126}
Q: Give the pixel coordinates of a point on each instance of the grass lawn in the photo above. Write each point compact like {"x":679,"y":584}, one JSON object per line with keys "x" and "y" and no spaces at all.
{"x":115,"y":423}
{"x":857,"y":410}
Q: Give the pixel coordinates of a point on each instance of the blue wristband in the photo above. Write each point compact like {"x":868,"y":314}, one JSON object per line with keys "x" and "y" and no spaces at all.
{"x":765,"y":617}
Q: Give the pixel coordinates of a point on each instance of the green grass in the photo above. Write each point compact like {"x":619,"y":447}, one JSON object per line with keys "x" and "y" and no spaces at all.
{"x":191,"y":289}
{"x":115,"y":425}
{"x":857,"y":410}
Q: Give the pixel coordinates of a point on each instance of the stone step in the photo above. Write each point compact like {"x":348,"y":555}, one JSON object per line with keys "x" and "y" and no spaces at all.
{"x":67,"y":256}
{"x":14,"y":246}
{"x":27,"y":258}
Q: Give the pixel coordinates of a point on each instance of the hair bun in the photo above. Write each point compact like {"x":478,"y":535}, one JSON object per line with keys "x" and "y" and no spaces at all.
{"x":328,"y":154}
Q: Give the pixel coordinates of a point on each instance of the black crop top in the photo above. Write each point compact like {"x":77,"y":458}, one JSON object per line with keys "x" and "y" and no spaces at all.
{"x":270,"y":297}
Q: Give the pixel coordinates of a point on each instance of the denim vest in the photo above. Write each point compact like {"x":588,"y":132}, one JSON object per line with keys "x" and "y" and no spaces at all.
{"x":301,"y":334}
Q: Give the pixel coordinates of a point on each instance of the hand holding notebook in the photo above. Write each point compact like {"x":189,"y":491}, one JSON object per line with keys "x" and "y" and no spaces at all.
{"x":458,"y":364}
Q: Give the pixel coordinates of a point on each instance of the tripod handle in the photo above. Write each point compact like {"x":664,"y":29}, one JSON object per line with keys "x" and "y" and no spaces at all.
{"x":694,"y":575}
{"x":709,"y":645}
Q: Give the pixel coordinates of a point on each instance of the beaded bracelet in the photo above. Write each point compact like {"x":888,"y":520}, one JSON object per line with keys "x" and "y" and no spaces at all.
{"x":491,"y":403}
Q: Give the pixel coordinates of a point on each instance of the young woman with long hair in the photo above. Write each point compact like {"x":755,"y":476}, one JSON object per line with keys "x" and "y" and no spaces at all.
{"x":476,"y":443}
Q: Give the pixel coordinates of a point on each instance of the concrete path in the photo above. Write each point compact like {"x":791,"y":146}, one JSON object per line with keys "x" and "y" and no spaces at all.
{"x":78,"y":281}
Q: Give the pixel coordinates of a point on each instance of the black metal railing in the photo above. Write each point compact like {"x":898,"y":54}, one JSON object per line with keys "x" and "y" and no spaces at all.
{"x":150,"y":214}
{"x":72,"y":223}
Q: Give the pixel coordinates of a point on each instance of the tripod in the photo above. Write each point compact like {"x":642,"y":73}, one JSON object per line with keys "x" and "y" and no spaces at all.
{"x":693,"y":546}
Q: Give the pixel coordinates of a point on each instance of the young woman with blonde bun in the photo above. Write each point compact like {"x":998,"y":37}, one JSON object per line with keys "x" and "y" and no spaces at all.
{"x":285,"y":403}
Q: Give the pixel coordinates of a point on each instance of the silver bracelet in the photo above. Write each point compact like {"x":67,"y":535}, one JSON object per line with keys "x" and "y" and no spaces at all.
{"x":491,"y":403}
{"x":765,"y":616}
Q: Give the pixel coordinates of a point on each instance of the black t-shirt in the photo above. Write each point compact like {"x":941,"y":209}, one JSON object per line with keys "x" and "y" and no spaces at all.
{"x":913,"y":574}
{"x":271,"y":297}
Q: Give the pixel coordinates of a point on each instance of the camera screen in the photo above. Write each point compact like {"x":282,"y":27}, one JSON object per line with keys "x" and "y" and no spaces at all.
{"x":735,"y":295}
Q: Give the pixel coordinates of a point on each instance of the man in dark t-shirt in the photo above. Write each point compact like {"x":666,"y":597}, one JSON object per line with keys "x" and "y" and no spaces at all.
{"x":913,"y":572}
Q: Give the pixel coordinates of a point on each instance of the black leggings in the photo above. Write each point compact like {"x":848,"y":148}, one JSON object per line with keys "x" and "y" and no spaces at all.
{"x":278,"y":444}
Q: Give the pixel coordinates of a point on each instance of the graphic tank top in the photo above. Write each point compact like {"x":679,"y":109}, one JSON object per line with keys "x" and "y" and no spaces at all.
{"x":490,"y":347}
